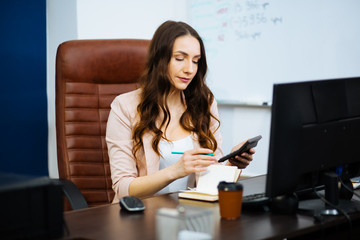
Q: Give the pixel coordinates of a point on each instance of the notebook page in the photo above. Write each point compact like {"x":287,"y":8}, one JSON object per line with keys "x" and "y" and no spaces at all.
{"x":209,"y":180}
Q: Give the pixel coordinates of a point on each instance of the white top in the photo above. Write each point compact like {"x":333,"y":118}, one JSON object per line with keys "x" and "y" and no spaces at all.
{"x":167,"y":159}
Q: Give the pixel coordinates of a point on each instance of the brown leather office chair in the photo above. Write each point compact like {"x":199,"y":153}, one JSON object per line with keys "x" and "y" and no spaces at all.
{"x":89,"y":75}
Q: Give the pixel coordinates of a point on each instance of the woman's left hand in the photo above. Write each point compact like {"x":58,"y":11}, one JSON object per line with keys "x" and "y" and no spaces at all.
{"x":244,"y":159}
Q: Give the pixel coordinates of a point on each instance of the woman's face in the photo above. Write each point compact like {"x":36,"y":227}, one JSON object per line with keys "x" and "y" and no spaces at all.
{"x":183,"y":64}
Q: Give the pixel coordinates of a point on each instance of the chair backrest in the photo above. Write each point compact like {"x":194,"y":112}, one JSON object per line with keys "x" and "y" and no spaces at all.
{"x":89,"y":75}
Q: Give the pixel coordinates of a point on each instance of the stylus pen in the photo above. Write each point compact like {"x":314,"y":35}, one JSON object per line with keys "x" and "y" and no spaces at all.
{"x":210,"y":154}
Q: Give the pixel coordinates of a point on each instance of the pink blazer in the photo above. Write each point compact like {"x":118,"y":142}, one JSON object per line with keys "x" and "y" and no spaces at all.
{"x":124,"y":168}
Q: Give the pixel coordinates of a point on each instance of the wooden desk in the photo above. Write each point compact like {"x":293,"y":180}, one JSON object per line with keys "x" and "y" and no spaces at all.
{"x":108,"y":222}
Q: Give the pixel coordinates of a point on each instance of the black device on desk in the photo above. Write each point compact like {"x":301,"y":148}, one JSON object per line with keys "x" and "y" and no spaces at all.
{"x":131,"y":204}
{"x":315,"y":132}
{"x":30,"y":207}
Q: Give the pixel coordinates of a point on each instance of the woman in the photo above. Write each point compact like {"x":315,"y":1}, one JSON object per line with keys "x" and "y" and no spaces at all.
{"x":172,"y":111}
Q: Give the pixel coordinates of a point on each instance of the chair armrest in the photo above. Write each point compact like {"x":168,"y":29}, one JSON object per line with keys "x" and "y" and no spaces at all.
{"x":73,"y":194}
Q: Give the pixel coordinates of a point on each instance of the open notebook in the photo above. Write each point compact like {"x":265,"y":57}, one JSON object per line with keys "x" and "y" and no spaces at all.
{"x":206,"y":189}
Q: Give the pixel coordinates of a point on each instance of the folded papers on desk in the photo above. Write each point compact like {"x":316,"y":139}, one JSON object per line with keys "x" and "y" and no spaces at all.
{"x":185,"y":222}
{"x":206,"y":189}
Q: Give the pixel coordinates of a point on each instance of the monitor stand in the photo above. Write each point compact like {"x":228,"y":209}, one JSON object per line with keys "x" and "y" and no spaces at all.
{"x":332,"y":196}
{"x":318,"y":207}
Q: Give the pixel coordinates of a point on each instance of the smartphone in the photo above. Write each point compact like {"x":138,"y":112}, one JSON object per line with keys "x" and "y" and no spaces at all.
{"x":251,"y":143}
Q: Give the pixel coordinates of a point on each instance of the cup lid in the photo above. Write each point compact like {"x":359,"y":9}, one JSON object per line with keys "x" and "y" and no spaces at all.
{"x":230,"y":186}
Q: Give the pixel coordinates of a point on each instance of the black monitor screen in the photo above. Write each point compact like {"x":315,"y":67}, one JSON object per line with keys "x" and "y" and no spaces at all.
{"x":315,"y":127}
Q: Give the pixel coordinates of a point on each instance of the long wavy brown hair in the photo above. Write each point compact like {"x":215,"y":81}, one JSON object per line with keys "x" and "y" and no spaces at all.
{"x":156,"y":86}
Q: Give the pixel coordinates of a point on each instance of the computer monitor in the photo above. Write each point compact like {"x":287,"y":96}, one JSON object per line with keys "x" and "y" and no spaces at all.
{"x":315,"y":128}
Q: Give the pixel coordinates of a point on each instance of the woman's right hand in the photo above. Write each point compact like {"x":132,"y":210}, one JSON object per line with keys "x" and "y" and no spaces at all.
{"x":193,"y":161}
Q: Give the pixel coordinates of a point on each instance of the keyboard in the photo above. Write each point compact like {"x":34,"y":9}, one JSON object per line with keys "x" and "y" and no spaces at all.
{"x":257,"y":199}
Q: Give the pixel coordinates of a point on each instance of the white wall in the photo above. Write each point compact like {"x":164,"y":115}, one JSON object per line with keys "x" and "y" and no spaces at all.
{"x":125,"y":19}
{"x":98,"y":19}
{"x":239,"y":123}
{"x":61,"y":26}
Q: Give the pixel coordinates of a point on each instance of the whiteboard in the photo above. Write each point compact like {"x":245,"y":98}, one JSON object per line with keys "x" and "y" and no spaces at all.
{"x":252,"y":44}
